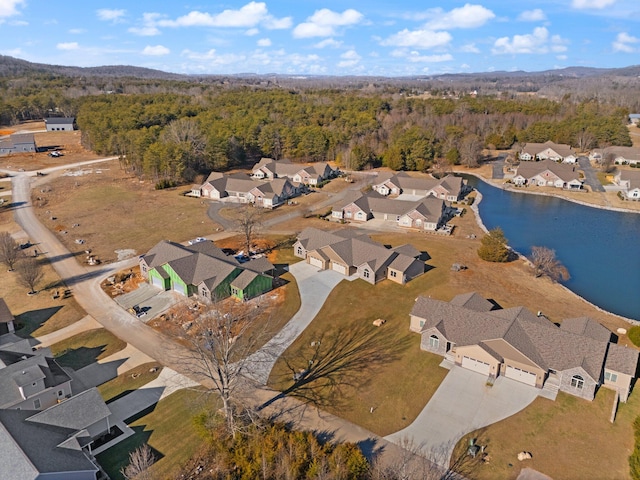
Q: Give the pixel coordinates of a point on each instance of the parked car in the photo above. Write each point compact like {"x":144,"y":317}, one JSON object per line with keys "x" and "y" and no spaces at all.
{"x":55,"y":154}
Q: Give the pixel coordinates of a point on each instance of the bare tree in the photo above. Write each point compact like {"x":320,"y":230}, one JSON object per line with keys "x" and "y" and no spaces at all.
{"x":608,"y":161}
{"x":585,"y":140}
{"x":219,"y":339}
{"x":545,"y":263}
{"x":9,"y":250}
{"x":248,"y":220}
{"x":470,"y":150}
{"x":29,"y":273}
{"x":140,"y":460}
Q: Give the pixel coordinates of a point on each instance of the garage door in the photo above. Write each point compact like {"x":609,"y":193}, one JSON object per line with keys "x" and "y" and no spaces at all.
{"x":316,"y":262}
{"x":157,"y":281}
{"x":179,"y":288}
{"x":521,"y":375}
{"x":339,"y":268}
{"x":476,"y":365}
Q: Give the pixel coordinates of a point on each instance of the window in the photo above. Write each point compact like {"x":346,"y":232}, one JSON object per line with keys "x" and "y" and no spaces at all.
{"x":393,"y":273}
{"x":365,"y":273}
{"x":612,"y":377}
{"x":421,"y":323}
{"x":577,"y":382}
{"x":299,"y":250}
{"x":60,"y":393}
{"x":434,"y":342}
{"x":36,"y":404}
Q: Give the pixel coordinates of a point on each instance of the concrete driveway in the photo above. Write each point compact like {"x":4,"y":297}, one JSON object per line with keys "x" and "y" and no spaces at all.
{"x":150,"y":299}
{"x":314,"y":286}
{"x":590,"y":175}
{"x":463,"y":403}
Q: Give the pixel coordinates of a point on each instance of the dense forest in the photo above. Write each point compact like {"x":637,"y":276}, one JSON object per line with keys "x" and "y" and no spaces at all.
{"x":174,"y":129}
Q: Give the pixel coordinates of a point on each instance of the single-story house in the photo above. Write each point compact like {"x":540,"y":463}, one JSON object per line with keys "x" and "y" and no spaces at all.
{"x":204,"y":270}
{"x":59,"y":123}
{"x":240,"y":188}
{"x":353,"y":253}
{"x":629,"y":180}
{"x":634,"y":118}
{"x":306,"y":174}
{"x":450,"y":187}
{"x":7,"y":321}
{"x":18,"y":143}
{"x":577,"y":357}
{"x":428,"y":214}
{"x":547,"y":173}
{"x":621,"y":155}
{"x":559,"y":152}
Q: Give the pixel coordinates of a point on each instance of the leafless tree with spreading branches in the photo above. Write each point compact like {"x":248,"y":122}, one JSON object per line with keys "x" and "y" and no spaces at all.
{"x":140,"y":460}
{"x":545,"y":263}
{"x":29,"y":273}
{"x":9,"y":250}
{"x":248,"y":220}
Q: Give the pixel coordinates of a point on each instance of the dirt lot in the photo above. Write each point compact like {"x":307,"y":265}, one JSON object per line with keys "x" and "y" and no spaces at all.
{"x":113,"y":214}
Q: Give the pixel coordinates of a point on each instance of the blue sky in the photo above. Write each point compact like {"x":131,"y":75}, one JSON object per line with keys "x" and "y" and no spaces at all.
{"x":329,"y":37}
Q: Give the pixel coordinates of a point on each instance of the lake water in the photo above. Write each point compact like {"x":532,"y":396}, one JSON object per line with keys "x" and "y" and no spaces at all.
{"x":600,"y":248}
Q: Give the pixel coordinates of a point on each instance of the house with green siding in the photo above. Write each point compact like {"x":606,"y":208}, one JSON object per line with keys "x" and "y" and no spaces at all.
{"x":206,"y":271}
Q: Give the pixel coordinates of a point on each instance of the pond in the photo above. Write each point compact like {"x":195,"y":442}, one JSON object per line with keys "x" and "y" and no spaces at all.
{"x":600,"y":248}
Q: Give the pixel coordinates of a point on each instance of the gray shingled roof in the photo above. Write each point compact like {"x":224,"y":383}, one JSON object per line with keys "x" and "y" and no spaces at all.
{"x":243,"y":280}
{"x":587,"y":327}
{"x":560,"y":148}
{"x":59,"y":120}
{"x":622,"y":359}
{"x":472,"y":301}
{"x":5,"y":314}
{"x":78,"y":412}
{"x":408,"y":249}
{"x":28,"y":449}
{"x":563,"y":171}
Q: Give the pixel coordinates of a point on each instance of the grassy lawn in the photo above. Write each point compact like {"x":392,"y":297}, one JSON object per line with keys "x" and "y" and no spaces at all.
{"x":568,"y":438}
{"x":129,"y":381}
{"x":86,"y":348}
{"x":112,"y":210}
{"x":167,"y":429}
{"x":602,"y":178}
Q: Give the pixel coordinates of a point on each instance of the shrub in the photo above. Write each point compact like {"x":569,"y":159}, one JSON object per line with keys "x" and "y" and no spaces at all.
{"x":493,"y":247}
{"x":165,"y":183}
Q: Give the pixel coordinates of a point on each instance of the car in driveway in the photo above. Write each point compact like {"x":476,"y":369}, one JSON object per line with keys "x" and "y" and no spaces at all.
{"x":197,"y":240}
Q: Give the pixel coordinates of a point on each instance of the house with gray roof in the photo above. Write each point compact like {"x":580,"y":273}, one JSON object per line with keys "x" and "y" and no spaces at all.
{"x":629,"y":181}
{"x":7,"y":321}
{"x":449,"y":188}
{"x":619,"y":155}
{"x":559,"y":152}
{"x":578,"y":357}
{"x":18,"y":143}
{"x":204,"y":270}
{"x":307,"y":174}
{"x":353,"y":253}
{"x":547,"y":173}
{"x":64,"y":124}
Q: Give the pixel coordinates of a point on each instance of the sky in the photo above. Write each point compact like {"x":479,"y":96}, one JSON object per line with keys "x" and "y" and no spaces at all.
{"x":324,"y":37}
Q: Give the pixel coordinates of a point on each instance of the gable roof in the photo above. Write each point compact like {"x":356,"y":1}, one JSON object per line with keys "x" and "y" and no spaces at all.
{"x":563,"y":171}
{"x":561,"y":149}
{"x":472,"y":301}
{"x":5,"y":314}
{"x":622,"y":359}
{"x":78,"y":412}
{"x":587,"y":327}
{"x":59,"y":120}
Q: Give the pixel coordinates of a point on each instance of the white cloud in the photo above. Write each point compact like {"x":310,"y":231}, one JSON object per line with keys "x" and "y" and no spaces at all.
{"x":350,"y":58}
{"x":250,"y":15}
{"x":470,"y":48}
{"x":14,"y":52}
{"x":595,"y":4}
{"x":468,"y":16}
{"x":324,"y":22}
{"x":156,"y":50}
{"x":418,"y":39}
{"x":264,"y":42}
{"x":9,"y":8}
{"x":625,"y":43}
{"x":536,"y":42}
{"x":329,"y":42}
{"x":251,"y":32}
{"x":561,"y":57}
{"x":148,"y":27}
{"x":415,"y":57}
{"x":214,"y":58}
{"x":77,"y":31}
{"x":536,"y":15}
{"x":68,"y":46}
{"x":110,"y":15}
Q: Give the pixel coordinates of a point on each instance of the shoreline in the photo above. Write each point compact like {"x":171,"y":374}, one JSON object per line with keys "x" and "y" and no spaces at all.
{"x":546,"y":194}
{"x":476,"y":211}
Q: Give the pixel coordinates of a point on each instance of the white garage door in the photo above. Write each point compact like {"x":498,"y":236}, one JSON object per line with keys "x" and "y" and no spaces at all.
{"x":476,"y":365}
{"x":521,"y":375}
{"x":339,"y":268}
{"x":316,"y":262}
{"x":179,"y":288}
{"x":157,"y":281}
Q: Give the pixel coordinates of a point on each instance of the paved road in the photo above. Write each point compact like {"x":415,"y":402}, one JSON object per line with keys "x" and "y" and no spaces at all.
{"x":590,"y":176}
{"x":314,"y":287}
{"x":463,"y":403}
{"x":498,"y":168}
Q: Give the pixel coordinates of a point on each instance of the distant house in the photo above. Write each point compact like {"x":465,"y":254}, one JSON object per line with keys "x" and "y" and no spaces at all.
{"x":307,"y":174}
{"x":427,"y":214}
{"x":59,"y":123}
{"x":634,"y":118}
{"x":558,"y":152}
{"x":547,"y":173}
{"x":55,"y":443}
{"x":450,"y":188}
{"x":7,"y":321}
{"x":620,"y":155}
{"x":353,"y":253}
{"x":576,"y":358}
{"x":18,"y":143}
{"x":629,"y":180}
{"x":204,"y":270}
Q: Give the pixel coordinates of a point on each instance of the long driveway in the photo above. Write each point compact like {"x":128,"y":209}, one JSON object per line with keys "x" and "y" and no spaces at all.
{"x":463,"y":403}
{"x":590,"y":176}
{"x":314,"y":287}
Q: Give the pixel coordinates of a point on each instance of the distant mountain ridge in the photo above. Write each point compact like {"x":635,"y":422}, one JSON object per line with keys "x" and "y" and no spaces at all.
{"x":10,"y":66}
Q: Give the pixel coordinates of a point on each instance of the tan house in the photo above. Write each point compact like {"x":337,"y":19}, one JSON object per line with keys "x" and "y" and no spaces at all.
{"x":547,"y":173}
{"x":559,"y":152}
{"x":449,"y":188}
{"x":353,"y":253}
{"x":307,"y":174}
{"x":629,"y":180}
{"x":620,"y":155}
{"x":577,"y":358}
